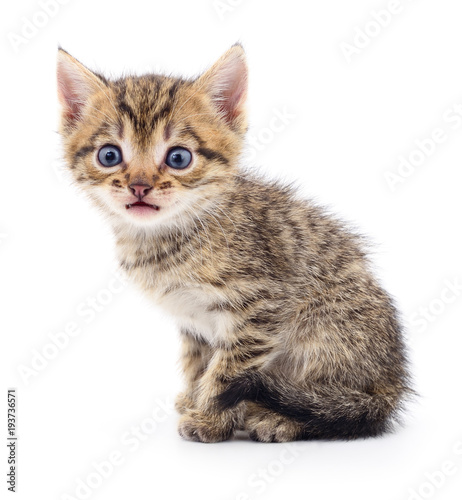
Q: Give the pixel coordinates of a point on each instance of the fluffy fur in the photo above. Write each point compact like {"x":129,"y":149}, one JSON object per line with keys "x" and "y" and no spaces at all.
{"x":285,"y":332}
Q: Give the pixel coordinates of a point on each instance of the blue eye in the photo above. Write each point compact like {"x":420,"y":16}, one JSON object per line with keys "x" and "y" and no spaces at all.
{"x":178,"y":158}
{"x":109,"y":156}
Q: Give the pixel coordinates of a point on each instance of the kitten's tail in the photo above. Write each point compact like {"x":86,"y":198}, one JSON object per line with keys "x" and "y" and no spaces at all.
{"x":327,"y":412}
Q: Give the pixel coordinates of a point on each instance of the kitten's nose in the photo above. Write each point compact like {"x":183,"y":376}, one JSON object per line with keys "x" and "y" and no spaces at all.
{"x":140,"y":190}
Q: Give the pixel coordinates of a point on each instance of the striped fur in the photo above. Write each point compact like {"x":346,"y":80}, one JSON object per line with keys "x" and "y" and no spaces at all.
{"x":285,"y":331}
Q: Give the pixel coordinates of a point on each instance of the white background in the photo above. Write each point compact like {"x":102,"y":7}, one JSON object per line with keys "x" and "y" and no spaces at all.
{"x":351,"y":119}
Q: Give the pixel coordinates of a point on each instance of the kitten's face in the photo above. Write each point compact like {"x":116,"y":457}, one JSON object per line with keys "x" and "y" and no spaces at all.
{"x":153,"y":150}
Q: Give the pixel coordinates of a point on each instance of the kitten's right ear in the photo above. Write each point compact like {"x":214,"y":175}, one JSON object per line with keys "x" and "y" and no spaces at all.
{"x":226,"y":83}
{"x":76,"y":84}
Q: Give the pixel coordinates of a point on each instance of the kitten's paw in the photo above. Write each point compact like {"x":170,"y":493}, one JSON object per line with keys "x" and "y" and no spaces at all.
{"x":183,"y":403}
{"x":196,"y":426}
{"x":272,"y":428}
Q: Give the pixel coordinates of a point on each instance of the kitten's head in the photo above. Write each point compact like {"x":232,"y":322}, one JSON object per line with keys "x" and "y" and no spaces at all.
{"x":150,"y":149}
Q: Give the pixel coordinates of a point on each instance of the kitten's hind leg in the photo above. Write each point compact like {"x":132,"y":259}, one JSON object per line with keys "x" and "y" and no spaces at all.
{"x":268,"y":426}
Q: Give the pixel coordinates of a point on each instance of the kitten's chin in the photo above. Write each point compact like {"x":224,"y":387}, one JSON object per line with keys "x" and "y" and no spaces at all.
{"x":173,"y":214}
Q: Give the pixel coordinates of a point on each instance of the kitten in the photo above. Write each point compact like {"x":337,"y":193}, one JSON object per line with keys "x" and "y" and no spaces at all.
{"x":285,"y":332}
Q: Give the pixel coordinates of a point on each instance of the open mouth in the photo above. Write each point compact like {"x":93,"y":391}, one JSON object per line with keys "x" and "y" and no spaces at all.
{"x":141,"y":204}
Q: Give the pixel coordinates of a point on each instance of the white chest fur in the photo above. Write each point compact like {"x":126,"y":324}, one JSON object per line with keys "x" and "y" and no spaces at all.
{"x":192,"y":305}
{"x":194,"y":308}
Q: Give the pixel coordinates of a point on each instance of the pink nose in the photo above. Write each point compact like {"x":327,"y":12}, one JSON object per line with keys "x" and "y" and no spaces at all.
{"x":140,"y":190}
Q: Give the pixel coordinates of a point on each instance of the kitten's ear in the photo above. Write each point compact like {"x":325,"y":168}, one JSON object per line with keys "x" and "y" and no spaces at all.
{"x":226,"y":83}
{"x":76,"y":84}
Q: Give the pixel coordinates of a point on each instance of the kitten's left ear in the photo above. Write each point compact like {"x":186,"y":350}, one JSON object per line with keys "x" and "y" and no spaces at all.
{"x":76,"y":84}
{"x":226,"y":83}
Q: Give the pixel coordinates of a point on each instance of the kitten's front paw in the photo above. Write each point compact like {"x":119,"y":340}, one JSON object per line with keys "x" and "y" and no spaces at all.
{"x":183,"y":403}
{"x":205,"y":428}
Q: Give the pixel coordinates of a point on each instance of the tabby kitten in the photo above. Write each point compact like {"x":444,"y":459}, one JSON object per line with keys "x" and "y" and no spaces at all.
{"x":285,"y":332}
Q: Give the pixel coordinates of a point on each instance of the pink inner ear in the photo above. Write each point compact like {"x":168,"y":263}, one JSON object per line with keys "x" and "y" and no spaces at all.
{"x":74,"y":89}
{"x":233,"y":97}
{"x":69,"y":99}
{"x":229,"y":86}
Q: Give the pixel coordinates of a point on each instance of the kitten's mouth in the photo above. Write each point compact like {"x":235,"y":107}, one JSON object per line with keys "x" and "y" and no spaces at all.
{"x":142,"y":205}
